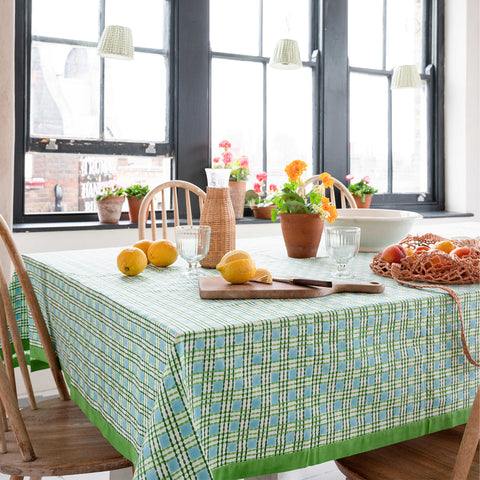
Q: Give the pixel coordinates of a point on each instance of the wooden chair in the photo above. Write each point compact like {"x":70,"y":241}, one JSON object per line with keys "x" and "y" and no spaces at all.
{"x":148,"y":201}
{"x":345,"y":195}
{"x":49,"y":438}
{"x":449,"y":454}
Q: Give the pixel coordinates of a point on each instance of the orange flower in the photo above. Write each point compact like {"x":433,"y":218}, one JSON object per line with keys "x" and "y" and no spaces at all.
{"x":295,"y":169}
{"x":332,"y":213}
{"x":325,"y":202}
{"x":326,"y":179}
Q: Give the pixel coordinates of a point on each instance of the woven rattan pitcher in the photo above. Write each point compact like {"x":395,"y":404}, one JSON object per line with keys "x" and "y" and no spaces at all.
{"x":217,"y":212}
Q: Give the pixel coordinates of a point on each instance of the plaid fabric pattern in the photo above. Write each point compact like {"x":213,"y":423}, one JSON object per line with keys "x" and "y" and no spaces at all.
{"x":196,"y":386}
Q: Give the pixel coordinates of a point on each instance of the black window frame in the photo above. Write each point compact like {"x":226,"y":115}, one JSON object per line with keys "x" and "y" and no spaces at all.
{"x":25,"y":143}
{"x":190,"y":95}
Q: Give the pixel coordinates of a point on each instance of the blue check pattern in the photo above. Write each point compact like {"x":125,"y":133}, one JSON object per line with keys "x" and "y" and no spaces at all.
{"x":199,"y":389}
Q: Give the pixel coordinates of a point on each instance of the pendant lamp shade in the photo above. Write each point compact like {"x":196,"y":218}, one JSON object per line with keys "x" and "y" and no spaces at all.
{"x":286,"y":55}
{"x":116,"y":42}
{"x":406,"y":76}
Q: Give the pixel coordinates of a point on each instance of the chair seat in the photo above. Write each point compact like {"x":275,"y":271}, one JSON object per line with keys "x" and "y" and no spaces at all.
{"x":430,"y":457}
{"x":65,"y":443}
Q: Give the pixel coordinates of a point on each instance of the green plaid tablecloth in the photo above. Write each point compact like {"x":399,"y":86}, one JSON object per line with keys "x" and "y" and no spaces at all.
{"x":198,"y":389}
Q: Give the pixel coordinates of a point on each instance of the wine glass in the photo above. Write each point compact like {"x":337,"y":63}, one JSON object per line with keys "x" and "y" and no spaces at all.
{"x":342,"y":245}
{"x":193,"y":242}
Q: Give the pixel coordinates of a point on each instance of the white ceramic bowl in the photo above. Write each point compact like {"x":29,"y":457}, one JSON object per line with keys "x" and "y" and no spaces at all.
{"x":380,"y":228}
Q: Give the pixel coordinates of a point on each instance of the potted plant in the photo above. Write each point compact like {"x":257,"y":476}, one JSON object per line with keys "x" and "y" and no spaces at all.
{"x":135,"y":194}
{"x":302,"y":214}
{"x":238,"y":176}
{"x":109,"y":204}
{"x":261,"y":201}
{"x":362,"y":192}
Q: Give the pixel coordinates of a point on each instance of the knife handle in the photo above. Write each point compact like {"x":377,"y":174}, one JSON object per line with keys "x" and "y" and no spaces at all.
{"x":310,"y":282}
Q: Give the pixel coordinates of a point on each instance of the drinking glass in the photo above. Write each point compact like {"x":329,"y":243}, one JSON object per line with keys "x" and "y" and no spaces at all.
{"x":193,"y":242}
{"x":342,"y":245}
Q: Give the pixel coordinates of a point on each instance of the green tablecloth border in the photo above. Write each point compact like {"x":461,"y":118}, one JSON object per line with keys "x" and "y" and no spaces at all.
{"x":115,"y":439}
{"x":315,"y":456}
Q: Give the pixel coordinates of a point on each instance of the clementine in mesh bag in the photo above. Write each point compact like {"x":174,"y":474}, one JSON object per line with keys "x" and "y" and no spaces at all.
{"x":428,"y":263}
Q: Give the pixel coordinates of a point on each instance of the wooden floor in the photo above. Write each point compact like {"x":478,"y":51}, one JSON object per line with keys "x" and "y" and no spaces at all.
{"x":326,"y":471}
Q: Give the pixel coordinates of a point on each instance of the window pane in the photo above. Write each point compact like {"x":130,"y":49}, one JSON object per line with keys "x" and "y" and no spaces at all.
{"x":146,"y":18}
{"x":369,"y":129}
{"x":237,"y":109}
{"x":289,"y":115}
{"x":365,"y":33}
{"x":235,"y":26}
{"x":64,"y":91}
{"x":410,"y":166}
{"x":404,"y":33}
{"x":80,"y":177}
{"x":282,"y":21}
{"x":135,"y":98}
{"x":66,"y":19}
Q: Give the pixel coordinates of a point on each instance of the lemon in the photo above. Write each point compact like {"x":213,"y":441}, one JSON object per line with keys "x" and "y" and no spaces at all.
{"x":238,"y":271}
{"x":262,"y":275}
{"x":233,"y":255}
{"x":143,"y":245}
{"x":162,"y":253}
{"x":131,"y":261}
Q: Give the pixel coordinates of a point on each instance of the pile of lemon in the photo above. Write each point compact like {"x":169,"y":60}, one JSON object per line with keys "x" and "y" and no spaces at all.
{"x":132,"y":260}
{"x":237,"y":266}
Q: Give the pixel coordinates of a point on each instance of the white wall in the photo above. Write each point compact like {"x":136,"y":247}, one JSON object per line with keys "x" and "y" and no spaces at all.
{"x":462,"y":105}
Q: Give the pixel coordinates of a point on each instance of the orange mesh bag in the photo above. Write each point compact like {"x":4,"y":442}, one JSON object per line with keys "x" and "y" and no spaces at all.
{"x":435,"y":266}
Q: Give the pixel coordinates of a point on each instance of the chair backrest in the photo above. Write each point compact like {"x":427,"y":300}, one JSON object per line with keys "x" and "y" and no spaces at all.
{"x":148,"y":202}
{"x":345,"y":195}
{"x":10,"y":334}
{"x":470,"y":441}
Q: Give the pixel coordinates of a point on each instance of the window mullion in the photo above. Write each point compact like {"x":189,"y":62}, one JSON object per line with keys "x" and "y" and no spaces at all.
{"x":101,"y":120}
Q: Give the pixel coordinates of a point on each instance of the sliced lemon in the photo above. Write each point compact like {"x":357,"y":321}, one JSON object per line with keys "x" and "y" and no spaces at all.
{"x":233,"y":255}
{"x":262,"y":275}
{"x":238,"y":271}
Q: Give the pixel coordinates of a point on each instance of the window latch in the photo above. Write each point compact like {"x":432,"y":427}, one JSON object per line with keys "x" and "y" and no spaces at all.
{"x":151,"y":148}
{"x":51,"y":145}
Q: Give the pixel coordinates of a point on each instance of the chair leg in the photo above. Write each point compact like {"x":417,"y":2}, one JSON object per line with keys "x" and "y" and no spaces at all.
{"x":14,"y":477}
{"x":35,"y":478}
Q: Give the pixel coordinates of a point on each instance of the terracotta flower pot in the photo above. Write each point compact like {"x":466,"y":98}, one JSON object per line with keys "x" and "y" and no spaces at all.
{"x":110,"y":209}
{"x":133,"y":208}
{"x":366,"y":203}
{"x":264,"y":213}
{"x":302,"y":233}
{"x":237,"y":194}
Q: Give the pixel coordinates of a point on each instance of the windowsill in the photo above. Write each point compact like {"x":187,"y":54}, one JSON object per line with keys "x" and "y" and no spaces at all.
{"x":123,"y":224}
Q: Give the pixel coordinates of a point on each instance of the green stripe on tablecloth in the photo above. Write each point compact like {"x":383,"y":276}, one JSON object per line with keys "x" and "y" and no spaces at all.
{"x":116,"y":440}
{"x":315,"y":456}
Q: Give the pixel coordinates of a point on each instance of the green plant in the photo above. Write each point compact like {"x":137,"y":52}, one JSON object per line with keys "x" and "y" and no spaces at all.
{"x":361,"y":188}
{"x":106,"y":192}
{"x":293,"y":199}
{"x":137,"y":191}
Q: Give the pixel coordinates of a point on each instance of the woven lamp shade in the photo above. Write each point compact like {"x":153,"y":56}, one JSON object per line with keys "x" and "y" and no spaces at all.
{"x":406,"y":76}
{"x":116,"y":42}
{"x":286,"y":55}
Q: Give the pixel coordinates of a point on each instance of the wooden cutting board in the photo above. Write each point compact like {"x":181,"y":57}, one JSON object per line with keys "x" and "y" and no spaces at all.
{"x":218,"y":288}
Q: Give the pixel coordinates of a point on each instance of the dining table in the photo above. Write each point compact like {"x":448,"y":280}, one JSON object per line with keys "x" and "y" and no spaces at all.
{"x":223,"y":389}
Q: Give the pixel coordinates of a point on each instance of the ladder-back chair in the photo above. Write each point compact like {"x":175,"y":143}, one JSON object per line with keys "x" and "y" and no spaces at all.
{"x":52,"y":437}
{"x":448,"y":454}
{"x":149,"y":201}
{"x":345,"y":195}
